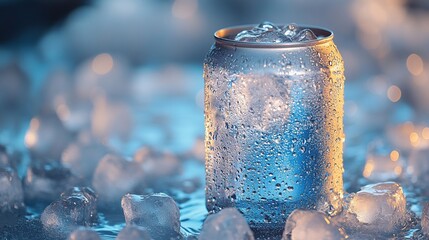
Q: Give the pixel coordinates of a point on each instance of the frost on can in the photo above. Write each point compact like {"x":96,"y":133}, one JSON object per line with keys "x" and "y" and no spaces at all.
{"x":273,"y":127}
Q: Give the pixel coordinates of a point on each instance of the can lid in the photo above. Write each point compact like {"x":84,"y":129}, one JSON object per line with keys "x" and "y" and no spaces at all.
{"x":226,"y":36}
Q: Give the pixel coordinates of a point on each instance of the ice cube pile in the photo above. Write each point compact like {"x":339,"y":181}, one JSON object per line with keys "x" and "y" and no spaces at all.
{"x":106,"y":130}
{"x":267,"y":32}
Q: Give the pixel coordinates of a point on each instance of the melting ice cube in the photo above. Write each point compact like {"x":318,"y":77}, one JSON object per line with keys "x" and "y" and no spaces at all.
{"x":114,"y":177}
{"x":418,"y":167}
{"x":156,"y":164}
{"x":228,"y":224}
{"x":377,"y":209}
{"x":83,"y":158}
{"x":267,"y":32}
{"x":46,"y":181}
{"x":76,"y":207}
{"x":158,"y":213}
{"x":11,"y":194}
{"x":383,"y":163}
{"x":310,"y":224}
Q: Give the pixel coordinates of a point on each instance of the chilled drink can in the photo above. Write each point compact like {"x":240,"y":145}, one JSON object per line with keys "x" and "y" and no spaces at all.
{"x":274,"y":126}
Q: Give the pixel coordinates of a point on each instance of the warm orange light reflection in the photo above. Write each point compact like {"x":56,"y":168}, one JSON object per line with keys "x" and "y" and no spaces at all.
{"x":394,"y":93}
{"x":398,"y":170}
{"x":414,"y":138}
{"x":415,"y":64}
{"x":31,"y":135}
{"x":369,"y":167}
{"x":394,"y":155}
{"x":102,"y":64}
{"x":425,"y":133}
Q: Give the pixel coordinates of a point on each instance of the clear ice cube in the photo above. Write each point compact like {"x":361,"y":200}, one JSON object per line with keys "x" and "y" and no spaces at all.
{"x":84,"y":234}
{"x":4,"y":158}
{"x":290,"y":30}
{"x":114,"y":177}
{"x":304,"y":35}
{"x":11,"y":194}
{"x":228,"y":224}
{"x":133,"y":232}
{"x":267,"y":32}
{"x":311,"y":224}
{"x":158,"y":213}
{"x":46,"y":137}
{"x":377,"y":209}
{"x":82,"y":158}
{"x":155,"y":164}
{"x":44,"y":182}
{"x":111,"y":120}
{"x":418,"y":167}
{"x":383,"y":163}
{"x":76,"y":207}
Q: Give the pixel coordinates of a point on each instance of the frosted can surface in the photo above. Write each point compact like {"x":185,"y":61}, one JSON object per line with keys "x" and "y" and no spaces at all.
{"x":273,"y":126}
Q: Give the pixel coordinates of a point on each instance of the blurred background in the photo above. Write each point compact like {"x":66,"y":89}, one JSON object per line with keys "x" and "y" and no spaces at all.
{"x":116,"y":76}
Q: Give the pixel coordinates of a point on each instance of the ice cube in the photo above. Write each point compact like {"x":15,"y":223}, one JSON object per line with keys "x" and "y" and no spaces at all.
{"x":408,"y":136}
{"x":14,"y":87}
{"x":84,"y":234}
{"x":111,"y":120}
{"x":377,"y":208}
{"x":4,"y":158}
{"x":11,"y":194}
{"x":156,"y":164}
{"x":304,"y":35}
{"x":418,"y":167}
{"x":133,"y":232}
{"x":290,"y":30}
{"x":46,"y":181}
{"x":57,"y":84}
{"x":46,"y":137}
{"x":83,"y":158}
{"x":74,"y":113}
{"x":114,"y":177}
{"x":102,"y":75}
{"x":265,"y":32}
{"x":383,"y":163}
{"x":310,"y":224}
{"x":267,"y":26}
{"x":76,"y":207}
{"x":158,"y":213}
{"x":425,"y":219}
{"x":228,"y":224}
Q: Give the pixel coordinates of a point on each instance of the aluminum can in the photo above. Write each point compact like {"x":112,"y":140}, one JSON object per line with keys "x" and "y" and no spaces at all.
{"x":273,"y":127}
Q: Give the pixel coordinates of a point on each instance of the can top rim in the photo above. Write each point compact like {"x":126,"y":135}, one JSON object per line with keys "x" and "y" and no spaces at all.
{"x":223,"y":36}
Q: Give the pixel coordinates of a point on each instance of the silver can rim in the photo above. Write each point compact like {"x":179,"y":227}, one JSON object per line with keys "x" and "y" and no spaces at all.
{"x":222,"y":37}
